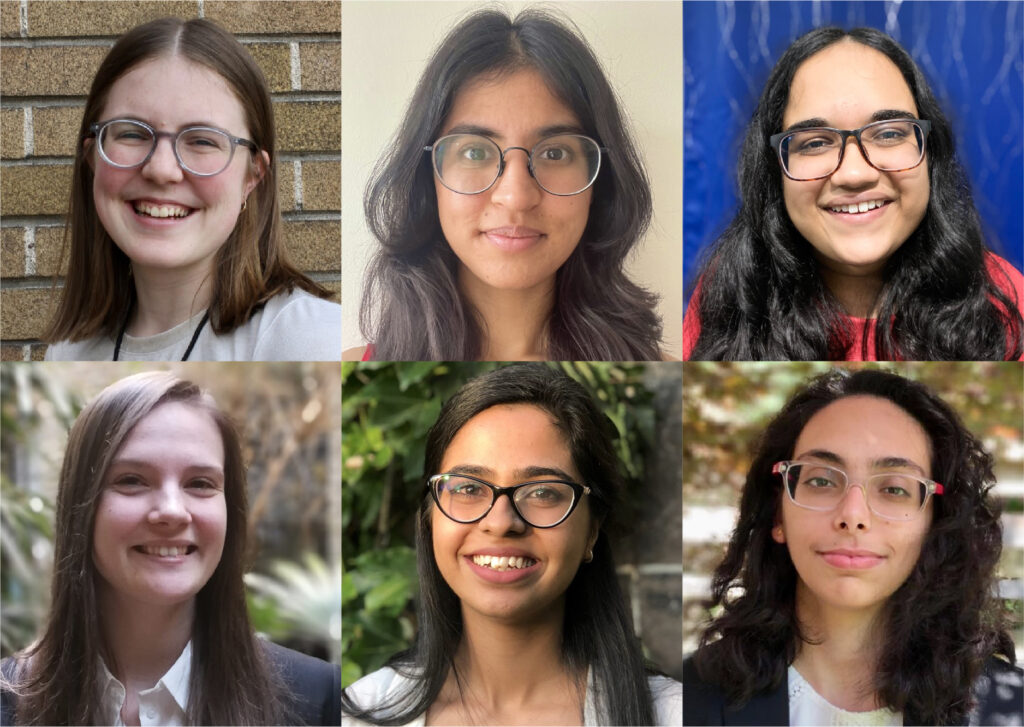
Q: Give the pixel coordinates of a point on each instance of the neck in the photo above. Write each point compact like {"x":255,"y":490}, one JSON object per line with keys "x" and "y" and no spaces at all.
{"x":841,"y":660}
{"x":143,"y":641}
{"x":856,"y":292}
{"x":509,"y":670}
{"x":514,"y":321}
{"x":167,"y":298}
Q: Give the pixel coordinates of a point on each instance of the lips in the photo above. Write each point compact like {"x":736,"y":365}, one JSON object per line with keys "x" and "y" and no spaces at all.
{"x":851,"y":559}
{"x":513,"y":238}
{"x":166,"y":550}
{"x":502,"y":565}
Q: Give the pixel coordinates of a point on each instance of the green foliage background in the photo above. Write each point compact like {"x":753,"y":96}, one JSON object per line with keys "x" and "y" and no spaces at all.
{"x":387,"y":409}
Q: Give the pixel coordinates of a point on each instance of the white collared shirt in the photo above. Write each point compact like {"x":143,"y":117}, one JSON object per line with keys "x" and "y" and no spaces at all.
{"x":162,"y":704}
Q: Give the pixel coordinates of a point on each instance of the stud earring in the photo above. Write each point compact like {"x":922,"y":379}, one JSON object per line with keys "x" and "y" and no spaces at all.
{"x":589,"y":556}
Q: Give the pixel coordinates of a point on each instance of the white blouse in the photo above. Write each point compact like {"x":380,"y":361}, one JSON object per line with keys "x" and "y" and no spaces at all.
{"x":807,"y":707}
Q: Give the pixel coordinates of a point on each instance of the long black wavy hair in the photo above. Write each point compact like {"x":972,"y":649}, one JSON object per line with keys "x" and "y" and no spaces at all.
{"x":412,"y":308}
{"x":939,"y":626}
{"x":597,"y":632}
{"x":761,"y":295}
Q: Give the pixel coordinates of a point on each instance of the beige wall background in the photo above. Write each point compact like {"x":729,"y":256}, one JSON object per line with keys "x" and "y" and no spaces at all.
{"x":50,"y":50}
{"x":386,"y":45}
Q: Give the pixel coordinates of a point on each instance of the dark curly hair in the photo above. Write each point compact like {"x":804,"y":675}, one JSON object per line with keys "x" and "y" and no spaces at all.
{"x":761,"y":295}
{"x":939,"y":626}
{"x":412,"y":307}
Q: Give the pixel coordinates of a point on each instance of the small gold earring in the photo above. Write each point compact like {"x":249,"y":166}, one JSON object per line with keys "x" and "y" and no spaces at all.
{"x":244,"y":202}
{"x":589,"y":556}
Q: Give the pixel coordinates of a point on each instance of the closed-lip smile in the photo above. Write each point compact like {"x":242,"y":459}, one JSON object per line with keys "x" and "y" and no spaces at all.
{"x":513,"y":238}
{"x":851,"y":558}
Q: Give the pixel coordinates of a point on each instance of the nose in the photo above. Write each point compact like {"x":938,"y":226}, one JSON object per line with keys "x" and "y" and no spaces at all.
{"x":854,"y":170}
{"x":853,"y":512}
{"x":502,"y":519}
{"x":516,"y":188}
{"x":169,"y":506}
{"x":162,"y":166}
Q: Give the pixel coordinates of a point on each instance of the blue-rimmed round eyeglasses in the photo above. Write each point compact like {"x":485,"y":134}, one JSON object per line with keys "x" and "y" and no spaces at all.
{"x":200,"y":150}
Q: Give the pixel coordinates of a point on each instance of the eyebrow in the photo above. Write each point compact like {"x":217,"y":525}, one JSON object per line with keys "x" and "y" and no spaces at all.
{"x":541,"y":133}
{"x":880,"y":463}
{"x":146,"y":464}
{"x":883,"y":115}
{"x":186,"y":125}
{"x":522,"y":474}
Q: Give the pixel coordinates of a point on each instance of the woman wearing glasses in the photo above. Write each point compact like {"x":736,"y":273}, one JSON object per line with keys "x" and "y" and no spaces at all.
{"x":506,"y":207}
{"x":858,"y":587}
{"x":176,"y":247}
{"x":856,"y":237}
{"x":521,"y":620}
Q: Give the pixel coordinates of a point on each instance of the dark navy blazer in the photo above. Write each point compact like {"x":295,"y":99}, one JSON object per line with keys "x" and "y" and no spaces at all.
{"x":314,"y":686}
{"x":999,"y":691}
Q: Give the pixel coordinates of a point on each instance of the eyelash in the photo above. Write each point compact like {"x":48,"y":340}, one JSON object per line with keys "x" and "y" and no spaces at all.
{"x":133,"y":480}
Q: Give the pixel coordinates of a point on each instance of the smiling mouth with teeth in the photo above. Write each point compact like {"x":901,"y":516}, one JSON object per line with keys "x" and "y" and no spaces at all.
{"x":166,"y":552}
{"x":856,"y":209}
{"x":160,"y":210}
{"x":503,"y":562}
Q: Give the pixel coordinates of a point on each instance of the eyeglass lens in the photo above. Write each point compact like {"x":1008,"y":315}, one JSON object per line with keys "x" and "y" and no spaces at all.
{"x":890,"y":146}
{"x":541,"y":504}
{"x":566,"y":164}
{"x":891,"y":495}
{"x":200,"y":150}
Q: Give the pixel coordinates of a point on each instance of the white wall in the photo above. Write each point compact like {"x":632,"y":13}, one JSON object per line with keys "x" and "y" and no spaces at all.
{"x":385,"y":47}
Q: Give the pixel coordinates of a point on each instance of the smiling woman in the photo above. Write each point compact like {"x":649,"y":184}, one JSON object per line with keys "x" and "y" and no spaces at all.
{"x":174,"y":229}
{"x":858,"y":586}
{"x":507,"y":206}
{"x":521,"y":619}
{"x":148,"y":622}
{"x":857,"y":238}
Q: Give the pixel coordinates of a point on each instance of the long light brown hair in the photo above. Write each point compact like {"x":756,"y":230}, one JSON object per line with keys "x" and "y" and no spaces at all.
{"x":56,"y":678}
{"x":251,"y":266}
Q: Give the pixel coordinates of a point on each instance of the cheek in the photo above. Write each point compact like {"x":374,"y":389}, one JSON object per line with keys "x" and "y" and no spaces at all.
{"x":459,"y":214}
{"x":800,"y":199}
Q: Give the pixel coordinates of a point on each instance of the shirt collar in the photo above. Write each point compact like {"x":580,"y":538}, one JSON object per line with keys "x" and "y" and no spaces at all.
{"x":175,"y":681}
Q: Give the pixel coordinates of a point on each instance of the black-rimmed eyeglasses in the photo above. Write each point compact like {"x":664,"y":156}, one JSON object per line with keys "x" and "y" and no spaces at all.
{"x":896,"y":145}
{"x":562,"y":165}
{"x":200,"y":150}
{"x":540,"y":503}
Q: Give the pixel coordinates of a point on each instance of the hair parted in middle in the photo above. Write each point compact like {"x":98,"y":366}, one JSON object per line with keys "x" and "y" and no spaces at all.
{"x":938,"y":627}
{"x":412,"y":308}
{"x":58,"y":677}
{"x":597,"y":630}
{"x":761,"y":295}
{"x":251,"y":266}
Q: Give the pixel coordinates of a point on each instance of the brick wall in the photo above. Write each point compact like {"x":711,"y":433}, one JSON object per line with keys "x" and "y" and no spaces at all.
{"x":50,"y":51}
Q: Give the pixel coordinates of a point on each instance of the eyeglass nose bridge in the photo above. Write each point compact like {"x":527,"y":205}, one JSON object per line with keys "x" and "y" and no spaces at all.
{"x":855,"y":133}
{"x":501,"y":171}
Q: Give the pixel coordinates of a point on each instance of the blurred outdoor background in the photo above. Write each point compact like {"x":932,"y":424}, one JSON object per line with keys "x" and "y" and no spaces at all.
{"x":387,"y":409}
{"x":727,"y":405}
{"x":288,"y":418}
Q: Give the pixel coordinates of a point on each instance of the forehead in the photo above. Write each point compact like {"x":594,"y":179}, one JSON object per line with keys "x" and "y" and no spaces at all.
{"x":171,"y":91}
{"x":511,"y":104}
{"x":175,"y":430}
{"x":507,"y":437}
{"x":845,"y":84}
{"x":862,"y":429}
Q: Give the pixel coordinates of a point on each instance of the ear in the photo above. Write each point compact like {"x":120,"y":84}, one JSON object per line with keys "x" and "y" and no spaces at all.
{"x":87,"y":152}
{"x":259,"y":170}
{"x":595,"y":529}
{"x":778,"y":534}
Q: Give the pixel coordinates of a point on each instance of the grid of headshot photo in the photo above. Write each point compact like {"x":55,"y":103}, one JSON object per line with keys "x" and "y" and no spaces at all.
{"x":511,"y":362}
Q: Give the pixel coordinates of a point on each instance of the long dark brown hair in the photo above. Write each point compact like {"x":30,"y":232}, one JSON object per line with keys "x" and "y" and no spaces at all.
{"x":939,"y":627}
{"x":56,"y":678}
{"x":412,"y":307}
{"x":251,"y":266}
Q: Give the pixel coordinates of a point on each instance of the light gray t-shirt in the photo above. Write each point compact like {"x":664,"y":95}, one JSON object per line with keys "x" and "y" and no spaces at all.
{"x":291,"y":327}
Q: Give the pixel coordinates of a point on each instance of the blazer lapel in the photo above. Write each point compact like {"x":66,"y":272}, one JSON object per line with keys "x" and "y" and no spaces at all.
{"x":768,"y":708}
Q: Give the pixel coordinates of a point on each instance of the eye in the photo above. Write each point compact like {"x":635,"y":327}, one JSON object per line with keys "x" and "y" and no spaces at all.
{"x":202,"y":483}
{"x":466,"y":489}
{"x":814,"y":145}
{"x":128,"y":483}
{"x":475,"y":153}
{"x":819,"y":482}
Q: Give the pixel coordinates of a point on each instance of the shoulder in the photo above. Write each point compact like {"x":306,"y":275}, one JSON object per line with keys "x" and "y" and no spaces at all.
{"x":1000,"y":693}
{"x":314,"y":685}
{"x":706,"y":703}
{"x":667,"y":698}
{"x":1006,"y":277}
{"x":376,"y":689}
{"x":298,"y":326}
{"x":357,"y":353}
{"x":100,"y":348}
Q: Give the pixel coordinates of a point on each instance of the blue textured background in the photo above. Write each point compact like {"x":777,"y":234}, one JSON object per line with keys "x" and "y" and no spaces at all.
{"x":970,"y":52}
